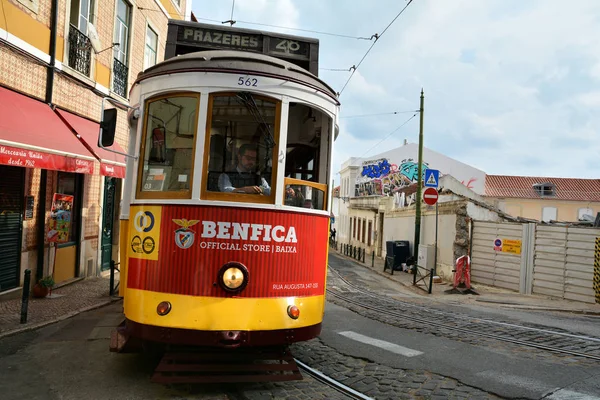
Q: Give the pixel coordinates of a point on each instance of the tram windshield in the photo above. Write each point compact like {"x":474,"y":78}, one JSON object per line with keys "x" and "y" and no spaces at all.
{"x":241,"y":144}
{"x":168,"y":146}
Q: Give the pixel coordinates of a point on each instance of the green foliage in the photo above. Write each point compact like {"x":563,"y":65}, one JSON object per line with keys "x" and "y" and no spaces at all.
{"x":47,"y":281}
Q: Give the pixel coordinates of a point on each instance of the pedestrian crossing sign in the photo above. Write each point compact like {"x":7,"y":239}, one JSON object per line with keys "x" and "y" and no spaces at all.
{"x":432,"y":178}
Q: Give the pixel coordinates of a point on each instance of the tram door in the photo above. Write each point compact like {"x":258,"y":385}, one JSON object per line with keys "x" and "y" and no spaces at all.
{"x":108,"y":222}
{"x":11,"y":224}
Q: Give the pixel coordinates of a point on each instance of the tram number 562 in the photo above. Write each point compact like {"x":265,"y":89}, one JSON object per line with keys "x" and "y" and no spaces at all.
{"x":247,"y":81}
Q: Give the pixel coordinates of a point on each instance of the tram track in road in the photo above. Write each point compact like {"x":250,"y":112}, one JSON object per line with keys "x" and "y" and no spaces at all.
{"x":534,"y":337}
{"x":332,"y":383}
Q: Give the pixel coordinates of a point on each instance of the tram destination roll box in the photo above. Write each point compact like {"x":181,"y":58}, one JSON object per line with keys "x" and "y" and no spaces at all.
{"x":397,"y":253}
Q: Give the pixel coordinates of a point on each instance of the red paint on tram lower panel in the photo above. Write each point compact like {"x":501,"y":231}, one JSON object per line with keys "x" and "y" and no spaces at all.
{"x":285,"y":253}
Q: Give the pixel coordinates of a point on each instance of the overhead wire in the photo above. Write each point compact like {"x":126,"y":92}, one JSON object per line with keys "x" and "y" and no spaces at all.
{"x":377,"y":37}
{"x":378,"y":114}
{"x":336,"y":69}
{"x":390,"y":134}
{"x":284,"y":27}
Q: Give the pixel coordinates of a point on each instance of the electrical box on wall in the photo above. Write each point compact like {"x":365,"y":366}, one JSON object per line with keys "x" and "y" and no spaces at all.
{"x":426,"y":256}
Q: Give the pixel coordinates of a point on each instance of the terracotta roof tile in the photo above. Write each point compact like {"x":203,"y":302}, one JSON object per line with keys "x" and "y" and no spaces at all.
{"x":522,"y":187}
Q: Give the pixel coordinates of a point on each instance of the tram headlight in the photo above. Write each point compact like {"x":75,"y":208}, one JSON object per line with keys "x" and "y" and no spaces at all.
{"x":233,"y":277}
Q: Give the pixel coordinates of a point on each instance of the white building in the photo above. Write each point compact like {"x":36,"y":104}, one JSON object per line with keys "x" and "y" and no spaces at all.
{"x":371,"y":182}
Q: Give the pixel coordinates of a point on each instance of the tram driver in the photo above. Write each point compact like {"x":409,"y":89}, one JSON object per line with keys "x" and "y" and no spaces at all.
{"x":245,"y":178}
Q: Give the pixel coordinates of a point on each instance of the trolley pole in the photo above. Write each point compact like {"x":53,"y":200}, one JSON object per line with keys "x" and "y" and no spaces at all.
{"x":419,"y":190}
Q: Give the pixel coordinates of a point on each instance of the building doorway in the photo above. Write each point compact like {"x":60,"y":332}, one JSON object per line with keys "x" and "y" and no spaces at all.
{"x":108,"y":221}
{"x":66,"y":261}
{"x":380,"y":235}
{"x":12,"y":186}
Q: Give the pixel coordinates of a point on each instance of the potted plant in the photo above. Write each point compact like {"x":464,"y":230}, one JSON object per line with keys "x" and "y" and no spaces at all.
{"x":43,"y":286}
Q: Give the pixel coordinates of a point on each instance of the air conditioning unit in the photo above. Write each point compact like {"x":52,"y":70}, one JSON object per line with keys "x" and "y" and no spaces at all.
{"x":426,"y":256}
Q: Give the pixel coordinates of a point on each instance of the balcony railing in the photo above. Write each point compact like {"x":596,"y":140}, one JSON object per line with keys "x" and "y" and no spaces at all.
{"x":120,"y":71}
{"x":80,"y":51}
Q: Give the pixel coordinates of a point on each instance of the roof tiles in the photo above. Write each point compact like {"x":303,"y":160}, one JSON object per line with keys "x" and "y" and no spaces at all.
{"x":522,"y":187}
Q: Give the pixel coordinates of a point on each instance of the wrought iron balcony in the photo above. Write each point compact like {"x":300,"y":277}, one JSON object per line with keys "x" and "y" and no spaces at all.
{"x":120,"y":72}
{"x":80,"y":51}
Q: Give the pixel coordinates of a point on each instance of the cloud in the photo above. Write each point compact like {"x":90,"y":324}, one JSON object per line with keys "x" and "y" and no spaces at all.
{"x":511,"y":86}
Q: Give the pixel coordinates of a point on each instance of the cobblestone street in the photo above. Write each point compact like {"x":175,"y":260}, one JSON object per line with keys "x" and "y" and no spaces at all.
{"x":380,"y":381}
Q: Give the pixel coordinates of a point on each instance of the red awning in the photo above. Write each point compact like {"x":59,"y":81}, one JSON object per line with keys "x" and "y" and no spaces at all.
{"x":111,"y":164}
{"x":32,"y":135}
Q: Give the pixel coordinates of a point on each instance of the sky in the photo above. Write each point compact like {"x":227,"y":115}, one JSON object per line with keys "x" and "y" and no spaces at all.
{"x":512,"y":87}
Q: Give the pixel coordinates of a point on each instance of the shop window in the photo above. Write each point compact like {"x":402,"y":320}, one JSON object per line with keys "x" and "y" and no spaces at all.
{"x":168,"y":147}
{"x":68,"y":184}
{"x":241,"y":145}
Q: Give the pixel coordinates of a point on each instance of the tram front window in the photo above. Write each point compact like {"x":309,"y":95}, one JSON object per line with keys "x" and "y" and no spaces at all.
{"x":306,"y":165}
{"x":168,"y":145}
{"x":241,"y":144}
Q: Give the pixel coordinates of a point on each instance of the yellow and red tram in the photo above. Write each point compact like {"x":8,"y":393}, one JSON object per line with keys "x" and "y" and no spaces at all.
{"x":225,"y":212}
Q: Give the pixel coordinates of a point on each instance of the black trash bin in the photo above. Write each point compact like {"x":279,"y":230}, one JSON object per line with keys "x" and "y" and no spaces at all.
{"x":397,"y":253}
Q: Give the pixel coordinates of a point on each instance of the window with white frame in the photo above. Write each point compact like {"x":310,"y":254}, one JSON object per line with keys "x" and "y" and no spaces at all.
{"x":151,"y":48}
{"x":122,"y":24}
{"x":584,"y":211}
{"x":79,"y":47}
{"x":121,"y":51}
{"x":549,"y":214}
{"x":81,"y":14}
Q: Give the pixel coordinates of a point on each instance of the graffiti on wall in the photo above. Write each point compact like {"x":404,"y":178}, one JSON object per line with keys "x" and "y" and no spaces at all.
{"x":380,"y":177}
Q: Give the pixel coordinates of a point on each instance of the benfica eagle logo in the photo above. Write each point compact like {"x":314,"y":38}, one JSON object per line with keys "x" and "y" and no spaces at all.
{"x":184,"y":236}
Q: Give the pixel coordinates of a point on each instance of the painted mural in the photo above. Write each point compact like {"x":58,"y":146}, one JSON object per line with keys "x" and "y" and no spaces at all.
{"x":382,"y":178}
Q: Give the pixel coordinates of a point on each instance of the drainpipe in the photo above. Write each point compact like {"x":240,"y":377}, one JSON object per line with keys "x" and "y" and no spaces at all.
{"x":53,"y":30}
{"x":41,"y":224}
{"x":41,"y":218}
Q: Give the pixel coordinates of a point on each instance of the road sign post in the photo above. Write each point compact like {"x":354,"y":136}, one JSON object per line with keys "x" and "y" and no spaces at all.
{"x":419,"y":184}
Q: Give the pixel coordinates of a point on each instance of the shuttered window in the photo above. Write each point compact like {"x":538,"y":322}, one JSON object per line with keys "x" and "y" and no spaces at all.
{"x":11,"y":224}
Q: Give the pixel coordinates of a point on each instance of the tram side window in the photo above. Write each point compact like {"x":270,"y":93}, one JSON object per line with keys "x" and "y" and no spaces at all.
{"x":307,"y":157}
{"x":168,"y":144}
{"x":242,"y":144}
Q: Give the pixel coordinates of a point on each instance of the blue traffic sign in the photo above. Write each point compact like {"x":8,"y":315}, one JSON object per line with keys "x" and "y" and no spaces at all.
{"x":432,"y":178}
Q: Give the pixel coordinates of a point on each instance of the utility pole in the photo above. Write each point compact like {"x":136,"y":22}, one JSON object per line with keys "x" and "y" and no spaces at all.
{"x":419,"y":190}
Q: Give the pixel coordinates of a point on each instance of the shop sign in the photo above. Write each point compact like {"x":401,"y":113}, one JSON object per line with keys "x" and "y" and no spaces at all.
{"x":116,"y":171}
{"x":35,"y":159}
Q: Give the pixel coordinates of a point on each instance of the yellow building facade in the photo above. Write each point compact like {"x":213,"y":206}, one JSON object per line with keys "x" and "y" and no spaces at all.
{"x":58,"y":60}
{"x":545,"y":199}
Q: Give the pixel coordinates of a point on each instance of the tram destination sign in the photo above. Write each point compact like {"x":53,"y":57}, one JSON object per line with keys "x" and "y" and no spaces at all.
{"x":184,"y":37}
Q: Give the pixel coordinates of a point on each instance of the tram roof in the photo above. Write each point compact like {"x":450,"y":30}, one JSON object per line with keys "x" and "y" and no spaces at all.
{"x":237,"y":61}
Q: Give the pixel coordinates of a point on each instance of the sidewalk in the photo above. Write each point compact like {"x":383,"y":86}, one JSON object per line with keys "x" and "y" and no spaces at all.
{"x":65,"y":302}
{"x":487,"y":295}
